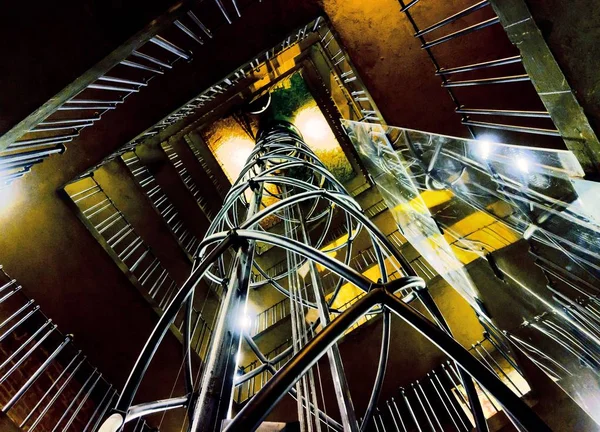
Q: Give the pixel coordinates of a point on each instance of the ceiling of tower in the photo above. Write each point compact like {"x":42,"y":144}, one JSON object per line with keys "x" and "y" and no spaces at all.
{"x":123,"y":125}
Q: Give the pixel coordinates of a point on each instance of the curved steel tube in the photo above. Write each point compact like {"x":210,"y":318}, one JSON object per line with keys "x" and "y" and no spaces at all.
{"x":251,"y":416}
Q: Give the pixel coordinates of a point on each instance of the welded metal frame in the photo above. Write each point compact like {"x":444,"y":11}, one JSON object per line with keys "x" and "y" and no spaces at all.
{"x":282,"y":158}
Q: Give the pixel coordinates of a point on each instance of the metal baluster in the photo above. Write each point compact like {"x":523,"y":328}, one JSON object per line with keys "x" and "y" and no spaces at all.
{"x":10,"y":294}
{"x":484,"y":391}
{"x":104,"y":410}
{"x":423,"y":407}
{"x":83,"y":401}
{"x":26,"y":355}
{"x":393,"y":417}
{"x":500,"y":368}
{"x":35,"y":376}
{"x":410,"y":410}
{"x":62,"y":417}
{"x":98,"y":406}
{"x":452,"y":401}
{"x":24,"y":344}
{"x":39,"y":402}
{"x":443,"y":402}
{"x":55,"y":397}
{"x":429,"y":405}
{"x":380,"y":420}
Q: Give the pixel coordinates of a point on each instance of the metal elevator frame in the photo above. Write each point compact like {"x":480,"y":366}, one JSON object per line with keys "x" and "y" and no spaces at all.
{"x":281,"y":174}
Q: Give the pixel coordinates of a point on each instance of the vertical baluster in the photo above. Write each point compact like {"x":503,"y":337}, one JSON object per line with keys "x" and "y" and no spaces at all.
{"x":82,"y":403}
{"x":443,"y":402}
{"x":85,"y":384}
{"x":35,"y":375}
{"x":40,"y":400}
{"x":410,"y":410}
{"x":429,"y":405}
{"x":54,"y":398}
{"x":452,"y":401}
{"x":98,"y":407}
{"x":103,"y":413}
{"x":423,"y":407}
{"x":26,"y":355}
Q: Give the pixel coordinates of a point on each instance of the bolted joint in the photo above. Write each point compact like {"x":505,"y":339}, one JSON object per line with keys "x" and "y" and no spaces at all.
{"x":236,"y":240}
{"x":254,"y":185}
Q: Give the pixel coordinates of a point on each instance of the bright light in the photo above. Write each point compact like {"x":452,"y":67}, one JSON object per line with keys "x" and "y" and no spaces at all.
{"x":246,"y":322}
{"x":233,"y":153}
{"x":9,"y":196}
{"x":485,"y":145}
{"x":314,"y":128}
{"x":485,"y":149}
{"x":523,"y":164}
{"x":238,"y":358}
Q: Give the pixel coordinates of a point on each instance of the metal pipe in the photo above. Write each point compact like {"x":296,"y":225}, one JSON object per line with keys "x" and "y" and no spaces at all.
{"x":188,"y":32}
{"x":145,"y":409}
{"x":54,"y":383}
{"x":26,"y":355}
{"x":7,"y":178}
{"x":96,"y":411}
{"x":258,"y":407}
{"x":381,"y":367}
{"x":135,"y":65}
{"x":453,"y":18}
{"x":500,"y":368}
{"x":226,"y":337}
{"x":25,"y":164}
{"x":62,"y":417}
{"x":54,"y":398}
{"x":223,"y":11}
{"x":505,"y":113}
{"x":164,"y":323}
{"x":15,"y":398}
{"x":16,"y":313}
{"x":45,"y":140}
{"x":194,"y":18}
{"x":18,"y":323}
{"x":151,"y":59}
{"x":122,"y":81}
{"x":474,"y":402}
{"x":477,"y":66}
{"x":523,"y":129}
{"x":85,"y":107}
{"x":83,"y":401}
{"x":340,"y":384}
{"x":10,"y":294}
{"x":113,"y":88}
{"x":452,"y":401}
{"x":24,"y":344}
{"x":443,"y":403}
{"x":418,"y":386}
{"x":465,"y":31}
{"x":410,"y":410}
{"x":409,"y":5}
{"x":486,"y":81}
{"x":171,"y":47}
{"x":64,"y":127}
{"x":104,"y":410}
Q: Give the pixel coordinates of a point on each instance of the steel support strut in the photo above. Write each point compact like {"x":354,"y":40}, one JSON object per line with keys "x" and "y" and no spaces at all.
{"x":253,"y":413}
{"x":283,"y":179}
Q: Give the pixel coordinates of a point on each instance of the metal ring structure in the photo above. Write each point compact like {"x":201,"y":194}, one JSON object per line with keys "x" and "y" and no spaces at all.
{"x":284,"y":184}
